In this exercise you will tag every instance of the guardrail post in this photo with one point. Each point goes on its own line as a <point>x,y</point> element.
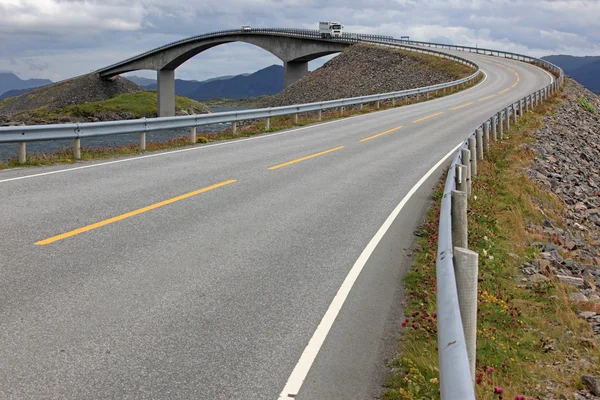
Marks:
<point>296,119</point>
<point>527,100</point>
<point>361,106</point>
<point>466,162</point>
<point>418,97</point>
<point>320,115</point>
<point>267,124</point>
<point>514,112</point>
<point>342,111</point>
<point>193,138</point>
<point>500,125</point>
<point>473,150</point>
<point>234,127</point>
<point>143,140</point>
<point>495,120</point>
<point>378,104</point>
<point>486,137</point>
<point>22,152</point>
<point>77,149</point>
<point>466,271</point>
<point>394,102</point>
<point>479,142</point>
<point>507,119</point>
<point>459,217</point>
<point>405,99</point>
<point>461,178</point>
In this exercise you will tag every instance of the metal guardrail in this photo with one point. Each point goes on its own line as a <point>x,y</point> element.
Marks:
<point>455,375</point>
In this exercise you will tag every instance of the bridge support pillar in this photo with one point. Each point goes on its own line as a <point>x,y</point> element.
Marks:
<point>166,92</point>
<point>292,71</point>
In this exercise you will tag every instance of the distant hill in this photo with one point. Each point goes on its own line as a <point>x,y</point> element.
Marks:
<point>585,70</point>
<point>10,81</point>
<point>263,82</point>
<point>138,80</point>
<point>151,83</point>
<point>13,93</point>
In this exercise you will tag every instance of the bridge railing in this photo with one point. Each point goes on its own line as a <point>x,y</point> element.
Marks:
<point>77,131</point>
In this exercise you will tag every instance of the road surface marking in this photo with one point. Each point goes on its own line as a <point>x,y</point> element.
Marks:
<point>300,371</point>
<point>130,214</point>
<point>464,105</point>
<point>381,134</point>
<point>305,158</point>
<point>485,98</point>
<point>515,84</point>
<point>237,141</point>
<point>504,91</point>
<point>427,117</point>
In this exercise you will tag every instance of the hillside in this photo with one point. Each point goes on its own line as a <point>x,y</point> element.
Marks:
<point>364,70</point>
<point>266,81</point>
<point>585,70</point>
<point>88,98</point>
<point>10,81</point>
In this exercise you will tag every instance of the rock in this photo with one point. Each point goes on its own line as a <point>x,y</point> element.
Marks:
<point>571,280</point>
<point>591,382</point>
<point>587,314</point>
<point>578,297</point>
<point>539,278</point>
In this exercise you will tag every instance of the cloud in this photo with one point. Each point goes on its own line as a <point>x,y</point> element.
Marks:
<point>71,37</point>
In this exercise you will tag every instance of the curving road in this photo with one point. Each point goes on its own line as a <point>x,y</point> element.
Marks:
<point>204,273</point>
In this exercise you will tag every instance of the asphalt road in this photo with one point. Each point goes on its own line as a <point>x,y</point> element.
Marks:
<point>216,294</point>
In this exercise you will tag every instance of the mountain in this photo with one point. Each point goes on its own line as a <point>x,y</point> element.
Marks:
<point>10,81</point>
<point>263,82</point>
<point>585,70</point>
<point>138,80</point>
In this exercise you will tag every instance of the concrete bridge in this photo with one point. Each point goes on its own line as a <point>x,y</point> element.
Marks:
<point>294,47</point>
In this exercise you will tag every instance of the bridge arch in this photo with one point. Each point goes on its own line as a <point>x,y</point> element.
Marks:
<point>295,50</point>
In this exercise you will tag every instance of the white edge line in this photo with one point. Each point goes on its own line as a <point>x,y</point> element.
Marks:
<point>230,142</point>
<point>300,371</point>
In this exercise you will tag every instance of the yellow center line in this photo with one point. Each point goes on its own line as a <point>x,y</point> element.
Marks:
<point>485,98</point>
<point>381,134</point>
<point>504,91</point>
<point>305,158</point>
<point>427,117</point>
<point>130,214</point>
<point>464,105</point>
<point>515,84</point>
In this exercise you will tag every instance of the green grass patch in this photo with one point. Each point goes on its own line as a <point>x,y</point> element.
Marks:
<point>5,101</point>
<point>586,105</point>
<point>530,340</point>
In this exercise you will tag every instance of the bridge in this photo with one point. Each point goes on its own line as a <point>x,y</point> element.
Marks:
<point>292,46</point>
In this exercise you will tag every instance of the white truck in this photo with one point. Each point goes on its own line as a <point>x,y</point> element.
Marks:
<point>329,29</point>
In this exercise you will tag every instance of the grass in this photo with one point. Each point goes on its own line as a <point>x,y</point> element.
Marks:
<point>5,101</point>
<point>139,104</point>
<point>583,102</point>
<point>250,128</point>
<point>530,340</point>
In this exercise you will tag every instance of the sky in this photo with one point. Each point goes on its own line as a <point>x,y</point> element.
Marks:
<point>58,39</point>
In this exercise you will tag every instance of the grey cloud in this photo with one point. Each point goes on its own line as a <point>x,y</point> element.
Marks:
<point>77,36</point>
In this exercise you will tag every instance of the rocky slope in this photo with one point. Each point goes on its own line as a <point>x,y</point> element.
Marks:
<point>363,70</point>
<point>567,163</point>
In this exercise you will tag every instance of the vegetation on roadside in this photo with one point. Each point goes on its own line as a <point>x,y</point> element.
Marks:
<point>531,344</point>
<point>245,129</point>
<point>585,103</point>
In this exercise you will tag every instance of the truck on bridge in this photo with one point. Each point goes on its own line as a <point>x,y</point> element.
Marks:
<point>329,29</point>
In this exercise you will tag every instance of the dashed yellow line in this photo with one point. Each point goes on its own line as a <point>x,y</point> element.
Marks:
<point>381,134</point>
<point>304,158</point>
<point>464,105</point>
<point>515,84</point>
<point>485,98</point>
<point>504,91</point>
<point>130,214</point>
<point>427,117</point>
